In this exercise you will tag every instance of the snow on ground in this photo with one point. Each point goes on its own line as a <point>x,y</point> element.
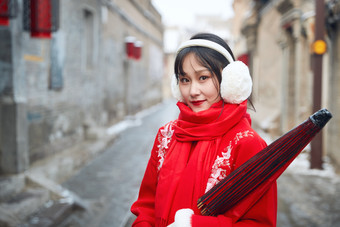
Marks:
<point>132,120</point>
<point>301,164</point>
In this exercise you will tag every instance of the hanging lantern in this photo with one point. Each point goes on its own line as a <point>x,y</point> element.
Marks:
<point>41,17</point>
<point>8,9</point>
<point>130,46</point>
<point>244,58</point>
<point>138,50</point>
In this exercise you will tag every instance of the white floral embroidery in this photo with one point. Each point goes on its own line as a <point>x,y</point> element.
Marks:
<point>221,166</point>
<point>241,135</point>
<point>164,140</point>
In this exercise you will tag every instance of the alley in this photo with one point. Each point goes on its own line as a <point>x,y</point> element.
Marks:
<point>69,70</point>
<point>109,184</point>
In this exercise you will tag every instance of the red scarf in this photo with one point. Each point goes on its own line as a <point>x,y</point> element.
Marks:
<point>187,166</point>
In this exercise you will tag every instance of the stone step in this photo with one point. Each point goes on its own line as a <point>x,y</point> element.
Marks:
<point>18,207</point>
<point>40,203</point>
<point>11,184</point>
<point>52,215</point>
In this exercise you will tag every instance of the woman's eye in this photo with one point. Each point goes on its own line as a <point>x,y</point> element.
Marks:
<point>204,77</point>
<point>184,80</point>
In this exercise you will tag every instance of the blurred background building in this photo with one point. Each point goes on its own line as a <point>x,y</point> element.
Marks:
<point>68,71</point>
<point>277,37</point>
<point>55,91</point>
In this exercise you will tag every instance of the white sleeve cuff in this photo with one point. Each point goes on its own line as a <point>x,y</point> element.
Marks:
<point>183,217</point>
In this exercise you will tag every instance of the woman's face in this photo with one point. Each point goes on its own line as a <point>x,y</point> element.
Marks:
<point>198,85</point>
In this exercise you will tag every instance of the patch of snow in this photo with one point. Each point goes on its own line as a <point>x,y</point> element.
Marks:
<point>132,120</point>
<point>123,125</point>
<point>301,165</point>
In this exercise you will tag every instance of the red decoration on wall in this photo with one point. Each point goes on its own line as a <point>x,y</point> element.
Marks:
<point>8,9</point>
<point>133,48</point>
<point>244,58</point>
<point>4,20</point>
<point>130,46</point>
<point>41,17</point>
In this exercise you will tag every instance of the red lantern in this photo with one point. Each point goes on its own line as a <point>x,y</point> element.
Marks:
<point>138,50</point>
<point>8,9</point>
<point>4,20</point>
<point>244,58</point>
<point>41,17</point>
<point>130,46</point>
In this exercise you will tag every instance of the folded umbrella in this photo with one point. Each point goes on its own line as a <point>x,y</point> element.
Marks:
<point>263,168</point>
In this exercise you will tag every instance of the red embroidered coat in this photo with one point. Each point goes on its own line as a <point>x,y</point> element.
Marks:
<point>234,148</point>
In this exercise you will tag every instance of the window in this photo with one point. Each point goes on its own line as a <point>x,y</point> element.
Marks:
<point>88,39</point>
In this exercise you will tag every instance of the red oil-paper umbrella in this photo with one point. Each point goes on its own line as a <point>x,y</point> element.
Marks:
<point>260,171</point>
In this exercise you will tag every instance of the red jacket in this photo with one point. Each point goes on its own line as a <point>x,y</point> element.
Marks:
<point>237,146</point>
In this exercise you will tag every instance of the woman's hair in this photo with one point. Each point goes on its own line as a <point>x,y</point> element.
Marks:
<point>209,58</point>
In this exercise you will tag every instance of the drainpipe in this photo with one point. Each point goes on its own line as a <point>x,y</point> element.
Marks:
<point>319,47</point>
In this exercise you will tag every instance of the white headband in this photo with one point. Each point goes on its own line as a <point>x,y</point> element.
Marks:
<point>208,44</point>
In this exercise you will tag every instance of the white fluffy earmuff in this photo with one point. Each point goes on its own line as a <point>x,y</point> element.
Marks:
<point>236,84</point>
<point>176,93</point>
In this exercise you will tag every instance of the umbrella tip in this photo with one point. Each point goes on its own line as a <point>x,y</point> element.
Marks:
<point>321,117</point>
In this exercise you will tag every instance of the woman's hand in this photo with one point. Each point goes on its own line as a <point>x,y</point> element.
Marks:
<point>182,218</point>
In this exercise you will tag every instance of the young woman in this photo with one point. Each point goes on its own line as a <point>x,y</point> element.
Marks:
<point>211,137</point>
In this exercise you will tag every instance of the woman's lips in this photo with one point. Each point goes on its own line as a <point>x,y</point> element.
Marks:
<point>197,103</point>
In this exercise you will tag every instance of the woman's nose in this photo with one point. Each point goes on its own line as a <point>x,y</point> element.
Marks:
<point>194,89</point>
